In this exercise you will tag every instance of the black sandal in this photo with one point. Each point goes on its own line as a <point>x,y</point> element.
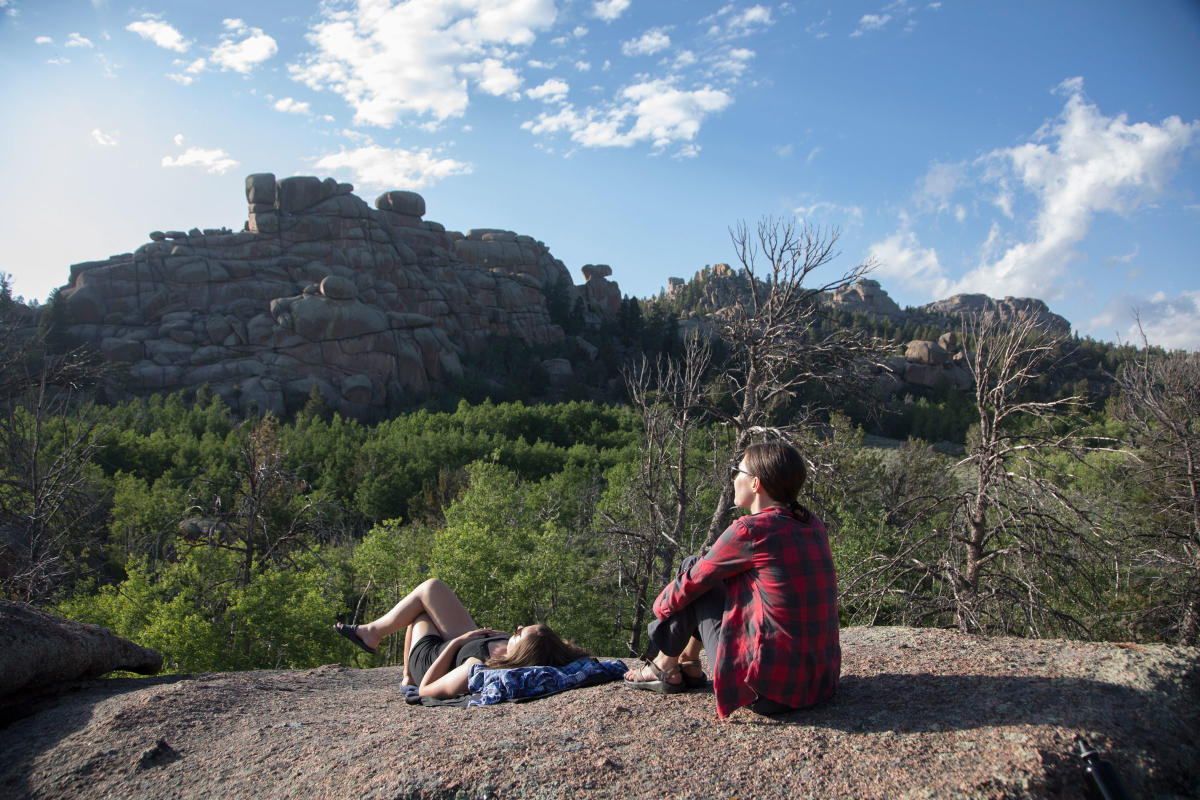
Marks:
<point>660,685</point>
<point>692,681</point>
<point>351,633</point>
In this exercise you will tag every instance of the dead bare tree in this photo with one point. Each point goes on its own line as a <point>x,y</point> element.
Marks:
<point>772,332</point>
<point>1159,402</point>
<point>1008,550</point>
<point>49,498</point>
<point>657,518</point>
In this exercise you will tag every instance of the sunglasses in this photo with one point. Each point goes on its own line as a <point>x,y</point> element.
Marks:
<point>733,473</point>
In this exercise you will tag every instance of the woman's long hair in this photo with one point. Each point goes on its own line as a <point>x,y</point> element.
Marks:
<point>781,471</point>
<point>541,647</point>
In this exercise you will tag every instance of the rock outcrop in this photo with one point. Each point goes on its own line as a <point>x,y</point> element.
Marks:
<point>920,714</point>
<point>368,305</point>
<point>1008,310</point>
<point>39,650</point>
<point>868,297</point>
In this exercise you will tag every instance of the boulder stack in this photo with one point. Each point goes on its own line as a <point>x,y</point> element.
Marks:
<point>368,305</point>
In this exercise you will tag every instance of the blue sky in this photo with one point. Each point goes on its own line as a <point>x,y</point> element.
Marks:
<point>1045,149</point>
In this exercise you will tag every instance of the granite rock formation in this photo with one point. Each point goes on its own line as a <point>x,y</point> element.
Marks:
<point>39,650</point>
<point>921,713</point>
<point>368,305</point>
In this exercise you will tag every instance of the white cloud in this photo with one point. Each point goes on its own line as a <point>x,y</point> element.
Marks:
<point>729,23</point>
<point>939,185</point>
<point>160,33</point>
<point>823,212</point>
<point>752,17</point>
<point>609,10</point>
<point>215,162</point>
<point>43,40</point>
<point>383,168</point>
<point>1170,322</point>
<point>733,61</point>
<point>650,42</point>
<point>784,150</point>
<point>901,257</point>
<point>180,78</point>
<point>871,22</point>
<point>289,106</point>
<point>492,76</point>
<point>1076,166</point>
<point>690,150</point>
<point>552,91</point>
<point>58,62</point>
<point>415,58</point>
<point>104,139</point>
<point>244,55</point>
<point>75,40</point>
<point>579,32</point>
<point>653,111</point>
<point>358,137</point>
<point>584,66</point>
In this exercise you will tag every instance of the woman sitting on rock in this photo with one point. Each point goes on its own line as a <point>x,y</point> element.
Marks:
<point>442,642</point>
<point>762,602</point>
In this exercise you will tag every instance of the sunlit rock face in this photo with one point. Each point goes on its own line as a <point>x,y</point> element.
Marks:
<point>369,305</point>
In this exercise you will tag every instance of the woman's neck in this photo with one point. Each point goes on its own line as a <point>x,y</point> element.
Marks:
<point>762,502</point>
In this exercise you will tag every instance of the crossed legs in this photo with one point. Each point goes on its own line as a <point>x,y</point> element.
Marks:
<point>432,607</point>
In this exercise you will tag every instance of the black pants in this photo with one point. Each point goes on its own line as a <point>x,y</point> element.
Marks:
<point>700,618</point>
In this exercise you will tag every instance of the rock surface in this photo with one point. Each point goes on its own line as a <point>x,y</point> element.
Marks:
<point>39,650</point>
<point>367,305</point>
<point>920,714</point>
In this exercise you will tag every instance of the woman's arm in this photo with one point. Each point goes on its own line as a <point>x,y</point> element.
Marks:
<point>452,684</point>
<point>732,553</point>
<point>442,665</point>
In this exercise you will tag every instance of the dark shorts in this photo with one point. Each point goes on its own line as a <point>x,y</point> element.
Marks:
<point>422,654</point>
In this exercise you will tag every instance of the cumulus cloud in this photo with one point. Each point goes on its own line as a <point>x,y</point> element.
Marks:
<point>160,33</point>
<point>104,139</point>
<point>1076,166</point>
<point>75,40</point>
<point>552,91</point>
<point>43,40</point>
<point>733,61</point>
<point>901,257</point>
<point>289,106</point>
<point>609,10</point>
<point>649,43</point>
<point>653,111</point>
<point>1047,193</point>
<point>1170,322</point>
<point>214,162</point>
<point>492,76</point>
<point>384,168</point>
<point>418,57</point>
<point>243,48</point>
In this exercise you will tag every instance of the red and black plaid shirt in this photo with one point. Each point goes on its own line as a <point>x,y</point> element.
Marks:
<point>779,632</point>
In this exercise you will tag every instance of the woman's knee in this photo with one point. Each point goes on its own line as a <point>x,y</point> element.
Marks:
<point>432,585</point>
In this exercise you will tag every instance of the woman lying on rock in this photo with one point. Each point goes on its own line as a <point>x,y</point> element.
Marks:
<point>442,642</point>
<point>762,602</point>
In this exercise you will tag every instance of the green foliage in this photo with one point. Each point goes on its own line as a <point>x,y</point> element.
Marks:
<point>199,619</point>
